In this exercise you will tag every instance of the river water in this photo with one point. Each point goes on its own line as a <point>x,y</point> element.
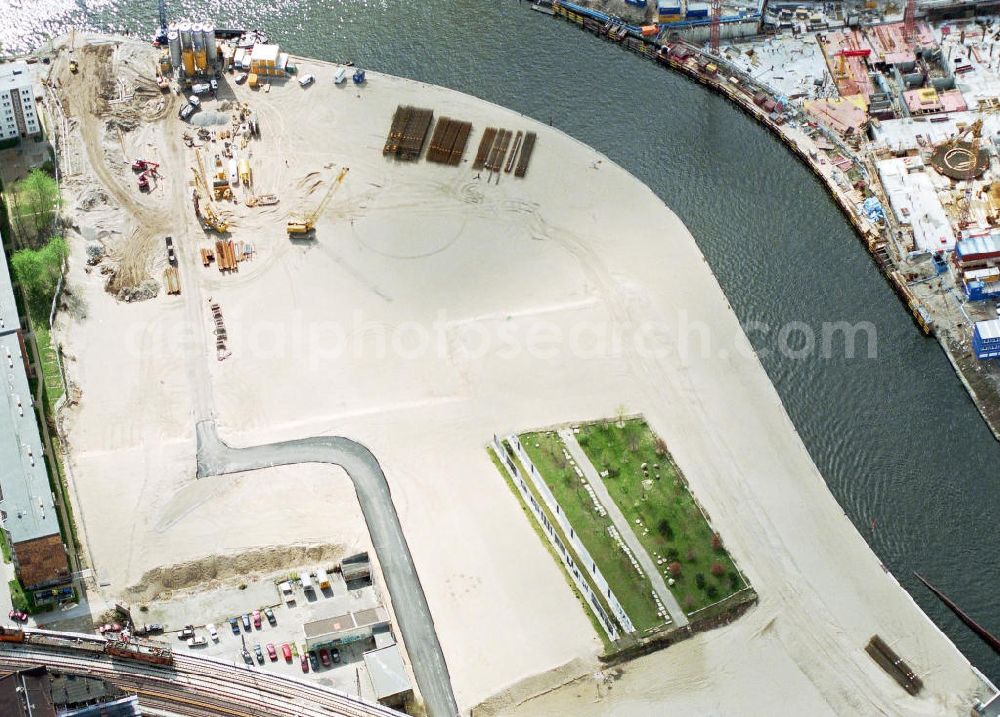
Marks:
<point>896,437</point>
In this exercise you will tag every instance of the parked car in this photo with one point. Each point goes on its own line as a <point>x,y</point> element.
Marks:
<point>271,652</point>
<point>246,622</point>
<point>324,657</point>
<point>305,663</point>
<point>17,615</point>
<point>186,111</point>
<point>256,619</point>
<point>235,625</point>
<point>247,658</point>
<point>306,80</point>
<point>286,652</point>
<point>260,653</point>
<point>187,633</point>
<point>197,641</point>
<point>269,614</point>
<point>313,660</point>
<point>154,629</point>
<point>212,632</point>
<point>214,84</point>
<point>241,78</point>
<point>335,654</point>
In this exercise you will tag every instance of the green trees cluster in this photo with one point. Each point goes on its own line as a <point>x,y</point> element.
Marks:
<point>34,202</point>
<point>38,271</point>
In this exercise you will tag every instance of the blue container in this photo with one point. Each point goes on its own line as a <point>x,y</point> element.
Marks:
<point>636,3</point>
<point>697,10</point>
<point>668,9</point>
<point>986,339</point>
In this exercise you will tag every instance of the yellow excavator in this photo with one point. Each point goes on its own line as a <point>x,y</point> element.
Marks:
<point>203,209</point>
<point>298,226</point>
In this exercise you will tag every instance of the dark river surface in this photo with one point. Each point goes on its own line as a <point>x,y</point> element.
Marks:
<point>896,437</point>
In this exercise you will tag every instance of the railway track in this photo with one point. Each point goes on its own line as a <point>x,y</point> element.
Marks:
<point>191,686</point>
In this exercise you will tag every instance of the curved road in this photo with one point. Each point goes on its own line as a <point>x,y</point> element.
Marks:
<point>408,600</point>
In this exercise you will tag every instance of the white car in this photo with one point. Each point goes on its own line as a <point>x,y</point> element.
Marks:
<point>307,80</point>
<point>212,632</point>
<point>195,100</point>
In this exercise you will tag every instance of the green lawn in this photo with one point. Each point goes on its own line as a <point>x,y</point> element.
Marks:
<point>672,526</point>
<point>50,367</point>
<point>633,591</point>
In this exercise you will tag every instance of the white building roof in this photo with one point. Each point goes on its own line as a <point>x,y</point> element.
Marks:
<point>25,495</point>
<point>386,672</point>
<point>15,74</point>
<point>264,53</point>
<point>915,201</point>
<point>989,329</point>
<point>9,320</point>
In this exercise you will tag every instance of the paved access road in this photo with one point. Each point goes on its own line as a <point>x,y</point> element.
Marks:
<point>408,600</point>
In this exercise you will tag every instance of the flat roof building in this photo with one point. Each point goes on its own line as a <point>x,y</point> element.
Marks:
<point>390,683</point>
<point>27,510</point>
<point>347,628</point>
<point>18,114</point>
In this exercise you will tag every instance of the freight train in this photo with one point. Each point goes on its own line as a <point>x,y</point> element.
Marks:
<point>128,649</point>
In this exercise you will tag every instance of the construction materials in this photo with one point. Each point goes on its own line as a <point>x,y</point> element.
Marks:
<point>526,149</point>
<point>408,132</point>
<point>207,257</point>
<point>172,280</point>
<point>203,207</point>
<point>485,145</point>
<point>261,200</point>
<point>221,336</point>
<point>893,664</point>
<point>305,224</point>
<point>448,141</point>
<point>493,150</point>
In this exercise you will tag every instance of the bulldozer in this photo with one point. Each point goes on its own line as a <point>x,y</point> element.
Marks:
<point>302,225</point>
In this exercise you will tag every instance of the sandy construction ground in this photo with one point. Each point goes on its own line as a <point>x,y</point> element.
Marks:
<point>434,309</point>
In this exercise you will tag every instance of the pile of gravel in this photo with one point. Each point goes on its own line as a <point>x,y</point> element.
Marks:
<point>208,119</point>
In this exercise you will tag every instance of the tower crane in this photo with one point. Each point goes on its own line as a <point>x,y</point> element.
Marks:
<point>297,226</point>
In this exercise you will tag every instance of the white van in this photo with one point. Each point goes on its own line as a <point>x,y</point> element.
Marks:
<point>286,593</point>
<point>340,75</point>
<point>234,175</point>
<point>307,80</point>
<point>306,581</point>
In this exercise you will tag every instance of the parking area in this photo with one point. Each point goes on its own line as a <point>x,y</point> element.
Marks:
<point>218,606</point>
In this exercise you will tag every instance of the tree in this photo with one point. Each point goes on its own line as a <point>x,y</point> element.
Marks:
<point>699,580</point>
<point>36,198</point>
<point>38,271</point>
<point>718,570</point>
<point>664,529</point>
<point>674,568</point>
<point>716,542</point>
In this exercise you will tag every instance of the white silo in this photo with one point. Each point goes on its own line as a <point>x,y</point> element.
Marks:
<point>198,37</point>
<point>210,46</point>
<point>174,43</point>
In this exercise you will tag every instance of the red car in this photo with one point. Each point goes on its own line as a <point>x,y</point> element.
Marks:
<point>271,652</point>
<point>286,652</point>
<point>18,616</point>
<point>256,619</point>
<point>324,657</point>
<point>305,664</point>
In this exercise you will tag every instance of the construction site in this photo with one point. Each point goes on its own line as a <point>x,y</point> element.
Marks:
<point>286,248</point>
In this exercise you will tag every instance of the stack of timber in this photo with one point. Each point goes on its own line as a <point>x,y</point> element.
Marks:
<point>448,141</point>
<point>526,149</point>
<point>493,148</point>
<point>893,664</point>
<point>172,281</point>
<point>225,255</point>
<point>408,132</point>
<point>485,145</point>
<point>207,257</point>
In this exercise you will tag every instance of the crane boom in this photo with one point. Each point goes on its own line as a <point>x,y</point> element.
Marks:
<point>306,224</point>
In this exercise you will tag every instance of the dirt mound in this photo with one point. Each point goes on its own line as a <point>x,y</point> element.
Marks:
<point>91,198</point>
<point>215,571</point>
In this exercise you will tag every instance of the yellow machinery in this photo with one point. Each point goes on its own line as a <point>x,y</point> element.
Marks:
<point>206,214</point>
<point>73,66</point>
<point>298,226</point>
